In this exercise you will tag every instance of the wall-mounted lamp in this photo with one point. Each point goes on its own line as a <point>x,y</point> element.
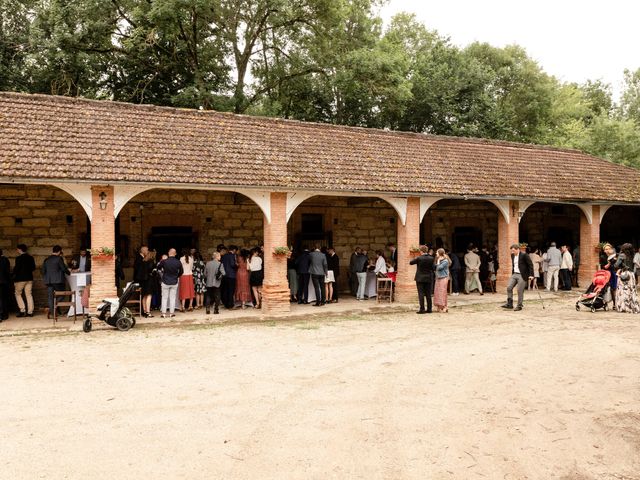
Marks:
<point>103,201</point>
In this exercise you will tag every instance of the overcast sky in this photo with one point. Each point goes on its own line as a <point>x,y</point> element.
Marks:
<point>574,40</point>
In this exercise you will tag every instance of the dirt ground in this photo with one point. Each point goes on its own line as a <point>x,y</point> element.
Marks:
<point>476,393</point>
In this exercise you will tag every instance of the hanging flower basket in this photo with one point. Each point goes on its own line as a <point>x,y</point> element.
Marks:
<point>282,252</point>
<point>102,253</point>
<point>415,251</point>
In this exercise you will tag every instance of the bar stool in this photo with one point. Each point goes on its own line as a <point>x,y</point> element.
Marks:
<point>70,303</point>
<point>384,289</point>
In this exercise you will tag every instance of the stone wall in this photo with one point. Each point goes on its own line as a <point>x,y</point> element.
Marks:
<point>542,222</point>
<point>369,223</point>
<point>214,217</point>
<point>441,221</point>
<point>37,217</point>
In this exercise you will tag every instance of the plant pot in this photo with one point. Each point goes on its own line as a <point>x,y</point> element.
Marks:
<point>415,254</point>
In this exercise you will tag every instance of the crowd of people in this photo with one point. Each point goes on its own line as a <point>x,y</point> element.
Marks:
<point>232,277</point>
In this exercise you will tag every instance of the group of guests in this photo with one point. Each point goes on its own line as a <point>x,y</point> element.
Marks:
<point>432,274</point>
<point>557,268</point>
<point>54,271</point>
<point>231,277</point>
<point>625,269</point>
<point>320,268</point>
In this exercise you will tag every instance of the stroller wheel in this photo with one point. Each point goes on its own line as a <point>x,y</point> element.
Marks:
<point>86,325</point>
<point>593,310</point>
<point>133,322</point>
<point>123,324</point>
<point>577,306</point>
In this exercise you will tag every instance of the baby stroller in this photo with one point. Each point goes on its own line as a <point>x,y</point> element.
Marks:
<point>113,311</point>
<point>594,297</point>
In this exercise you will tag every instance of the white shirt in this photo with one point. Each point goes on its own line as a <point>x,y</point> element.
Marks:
<point>381,265</point>
<point>255,264</point>
<point>516,267</point>
<point>567,261</point>
<point>187,268</point>
<point>83,264</point>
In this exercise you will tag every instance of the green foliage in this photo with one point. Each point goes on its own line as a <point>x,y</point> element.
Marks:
<point>316,60</point>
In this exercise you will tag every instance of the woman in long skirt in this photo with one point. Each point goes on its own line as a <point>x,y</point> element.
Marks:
<point>626,295</point>
<point>243,289</point>
<point>442,281</point>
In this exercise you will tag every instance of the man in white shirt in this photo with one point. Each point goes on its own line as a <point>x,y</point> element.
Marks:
<point>566,265</point>
<point>555,259</point>
<point>521,274</point>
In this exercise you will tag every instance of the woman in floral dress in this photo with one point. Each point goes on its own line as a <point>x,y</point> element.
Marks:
<point>198,279</point>
<point>626,295</point>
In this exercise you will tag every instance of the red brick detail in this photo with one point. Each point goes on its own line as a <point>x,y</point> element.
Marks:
<point>589,240</point>
<point>408,236</point>
<point>508,234</point>
<point>275,289</point>
<point>103,234</point>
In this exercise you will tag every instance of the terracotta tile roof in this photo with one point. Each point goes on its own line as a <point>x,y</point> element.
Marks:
<point>59,138</point>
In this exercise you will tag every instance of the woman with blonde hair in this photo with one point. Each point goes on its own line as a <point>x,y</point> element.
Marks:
<point>442,263</point>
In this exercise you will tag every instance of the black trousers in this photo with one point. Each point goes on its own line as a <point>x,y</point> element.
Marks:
<point>455,281</point>
<point>565,276</point>
<point>59,287</point>
<point>318,286</point>
<point>228,291</point>
<point>424,290</point>
<point>4,301</point>
<point>212,295</point>
<point>303,287</point>
<point>335,290</point>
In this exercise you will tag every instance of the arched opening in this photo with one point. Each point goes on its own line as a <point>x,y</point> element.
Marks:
<point>454,224</point>
<point>40,216</point>
<point>543,223</point>
<point>172,218</point>
<point>344,223</point>
<point>621,224</point>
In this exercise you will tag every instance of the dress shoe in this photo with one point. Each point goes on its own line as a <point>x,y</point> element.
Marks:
<point>507,306</point>
<point>208,311</point>
<point>21,314</point>
<point>420,312</point>
<point>216,312</point>
<point>517,309</point>
<point>30,314</point>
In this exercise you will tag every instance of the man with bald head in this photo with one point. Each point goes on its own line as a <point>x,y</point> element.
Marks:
<point>171,269</point>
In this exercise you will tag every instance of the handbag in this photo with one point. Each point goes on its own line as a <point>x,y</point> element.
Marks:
<point>219,273</point>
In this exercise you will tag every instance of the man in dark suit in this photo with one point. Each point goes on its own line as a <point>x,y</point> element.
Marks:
<point>521,274</point>
<point>318,269</point>
<point>302,263</point>
<point>424,278</point>
<point>53,274</point>
<point>5,283</point>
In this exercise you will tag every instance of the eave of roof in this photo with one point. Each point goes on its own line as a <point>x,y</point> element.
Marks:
<point>70,139</point>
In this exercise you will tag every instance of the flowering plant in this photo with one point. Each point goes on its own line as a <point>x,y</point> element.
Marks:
<point>102,252</point>
<point>415,251</point>
<point>282,251</point>
<point>600,247</point>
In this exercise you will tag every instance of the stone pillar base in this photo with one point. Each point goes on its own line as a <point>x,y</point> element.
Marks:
<point>406,293</point>
<point>275,300</point>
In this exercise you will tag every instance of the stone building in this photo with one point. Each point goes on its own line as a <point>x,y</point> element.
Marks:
<point>78,173</point>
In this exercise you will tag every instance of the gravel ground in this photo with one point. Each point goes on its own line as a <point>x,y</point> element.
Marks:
<point>476,393</point>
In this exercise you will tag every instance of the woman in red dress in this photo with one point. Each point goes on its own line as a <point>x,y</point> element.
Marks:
<point>243,289</point>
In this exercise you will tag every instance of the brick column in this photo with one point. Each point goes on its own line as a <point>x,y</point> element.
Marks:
<point>408,236</point>
<point>275,289</point>
<point>103,234</point>
<point>589,240</point>
<point>508,234</point>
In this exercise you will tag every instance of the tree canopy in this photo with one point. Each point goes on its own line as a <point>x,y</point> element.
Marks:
<point>316,60</point>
